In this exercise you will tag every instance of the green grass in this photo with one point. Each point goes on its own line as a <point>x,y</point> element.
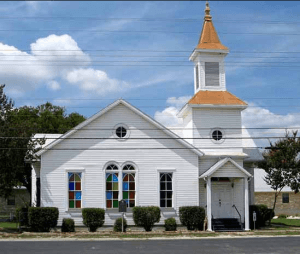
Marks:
<point>287,222</point>
<point>7,225</point>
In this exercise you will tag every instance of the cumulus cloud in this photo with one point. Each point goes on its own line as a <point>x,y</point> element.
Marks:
<point>95,80</point>
<point>54,85</point>
<point>50,57</point>
<point>168,116</point>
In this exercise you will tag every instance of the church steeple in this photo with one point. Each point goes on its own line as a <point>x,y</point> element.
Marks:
<point>208,57</point>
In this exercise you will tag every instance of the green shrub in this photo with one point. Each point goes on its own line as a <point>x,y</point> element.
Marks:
<point>282,216</point>
<point>192,217</point>
<point>22,216</point>
<point>170,224</point>
<point>41,219</point>
<point>146,216</point>
<point>263,214</point>
<point>118,225</point>
<point>68,225</point>
<point>93,218</point>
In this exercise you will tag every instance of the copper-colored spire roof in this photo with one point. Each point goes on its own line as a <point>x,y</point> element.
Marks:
<point>209,38</point>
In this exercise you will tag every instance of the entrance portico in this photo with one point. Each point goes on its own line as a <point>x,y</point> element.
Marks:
<point>227,192</point>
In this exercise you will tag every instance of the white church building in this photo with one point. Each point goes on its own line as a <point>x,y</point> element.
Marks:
<point>122,153</point>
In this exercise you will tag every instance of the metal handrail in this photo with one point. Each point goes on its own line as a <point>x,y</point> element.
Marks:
<point>239,215</point>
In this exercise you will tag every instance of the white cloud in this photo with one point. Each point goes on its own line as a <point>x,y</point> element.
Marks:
<point>54,85</point>
<point>178,102</point>
<point>95,80</point>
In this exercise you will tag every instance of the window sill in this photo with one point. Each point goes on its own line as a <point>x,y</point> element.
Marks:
<point>168,212</point>
<point>75,212</point>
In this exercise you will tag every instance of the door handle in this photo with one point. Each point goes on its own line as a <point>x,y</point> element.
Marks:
<point>220,202</point>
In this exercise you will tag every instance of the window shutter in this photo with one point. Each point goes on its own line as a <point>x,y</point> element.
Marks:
<point>197,76</point>
<point>211,74</point>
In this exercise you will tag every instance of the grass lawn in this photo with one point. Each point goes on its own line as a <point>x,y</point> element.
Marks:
<point>287,222</point>
<point>7,225</point>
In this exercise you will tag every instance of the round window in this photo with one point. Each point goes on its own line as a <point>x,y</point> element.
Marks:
<point>121,132</point>
<point>217,135</point>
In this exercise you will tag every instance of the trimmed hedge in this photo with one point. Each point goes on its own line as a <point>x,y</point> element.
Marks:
<point>146,216</point>
<point>118,225</point>
<point>282,216</point>
<point>93,218</point>
<point>170,224</point>
<point>22,216</point>
<point>192,217</point>
<point>41,219</point>
<point>263,214</point>
<point>68,225</point>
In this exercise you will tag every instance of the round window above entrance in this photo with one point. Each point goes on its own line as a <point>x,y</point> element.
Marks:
<point>217,135</point>
<point>121,131</point>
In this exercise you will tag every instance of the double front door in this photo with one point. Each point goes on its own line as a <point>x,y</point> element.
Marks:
<point>222,200</point>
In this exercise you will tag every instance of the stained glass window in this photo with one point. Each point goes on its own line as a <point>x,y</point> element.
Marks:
<point>166,192</point>
<point>74,190</point>
<point>112,190</point>
<point>112,167</point>
<point>129,189</point>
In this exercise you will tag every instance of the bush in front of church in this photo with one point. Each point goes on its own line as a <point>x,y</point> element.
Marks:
<point>118,225</point>
<point>93,218</point>
<point>41,219</point>
<point>68,225</point>
<point>170,224</point>
<point>146,216</point>
<point>192,217</point>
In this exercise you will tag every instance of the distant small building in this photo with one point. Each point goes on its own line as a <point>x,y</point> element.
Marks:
<point>19,197</point>
<point>287,202</point>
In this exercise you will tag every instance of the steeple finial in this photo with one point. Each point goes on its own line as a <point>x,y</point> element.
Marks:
<point>207,16</point>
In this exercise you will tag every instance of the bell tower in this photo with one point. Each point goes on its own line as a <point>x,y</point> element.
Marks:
<point>208,57</point>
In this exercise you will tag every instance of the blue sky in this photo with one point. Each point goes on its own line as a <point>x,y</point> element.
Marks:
<point>95,41</point>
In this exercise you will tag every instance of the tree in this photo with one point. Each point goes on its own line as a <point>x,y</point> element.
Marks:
<point>282,165</point>
<point>18,125</point>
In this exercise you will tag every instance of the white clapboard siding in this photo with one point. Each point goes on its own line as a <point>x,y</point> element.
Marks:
<point>56,163</point>
<point>202,191</point>
<point>228,170</point>
<point>228,120</point>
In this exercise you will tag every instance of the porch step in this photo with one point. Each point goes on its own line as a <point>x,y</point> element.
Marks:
<point>225,224</point>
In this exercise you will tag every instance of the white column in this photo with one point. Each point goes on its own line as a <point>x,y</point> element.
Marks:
<point>246,204</point>
<point>208,203</point>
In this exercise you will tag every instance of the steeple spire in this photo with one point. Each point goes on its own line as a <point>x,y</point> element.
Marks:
<point>209,38</point>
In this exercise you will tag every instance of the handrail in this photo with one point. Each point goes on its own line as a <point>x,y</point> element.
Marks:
<point>239,215</point>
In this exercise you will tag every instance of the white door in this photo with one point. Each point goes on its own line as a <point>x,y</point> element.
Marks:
<point>222,200</point>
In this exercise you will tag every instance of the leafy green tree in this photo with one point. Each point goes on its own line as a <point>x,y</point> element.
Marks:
<point>282,165</point>
<point>18,126</point>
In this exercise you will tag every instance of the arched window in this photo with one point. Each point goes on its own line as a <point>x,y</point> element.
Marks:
<point>112,187</point>
<point>129,185</point>
<point>74,190</point>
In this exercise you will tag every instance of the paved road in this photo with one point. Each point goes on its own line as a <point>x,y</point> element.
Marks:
<point>275,245</point>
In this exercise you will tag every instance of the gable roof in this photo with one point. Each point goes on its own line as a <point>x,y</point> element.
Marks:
<point>216,98</point>
<point>222,162</point>
<point>134,109</point>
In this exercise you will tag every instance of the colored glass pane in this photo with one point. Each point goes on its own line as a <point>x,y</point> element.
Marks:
<point>115,186</point>
<point>125,178</point>
<point>108,186</point>
<point>71,178</point>
<point>115,194</point>
<point>69,175</point>
<point>131,203</point>
<point>108,195</point>
<point>78,195</point>
<point>131,178</point>
<point>71,204</point>
<point>131,194</point>
<point>108,204</point>
<point>77,178</point>
<point>79,174</point>
<point>109,178</point>
<point>115,204</point>
<point>115,178</point>
<point>78,204</point>
<point>125,194</point>
<point>125,186</point>
<point>78,186</point>
<point>71,186</point>
<point>132,186</point>
<point>71,195</point>
<point>127,202</point>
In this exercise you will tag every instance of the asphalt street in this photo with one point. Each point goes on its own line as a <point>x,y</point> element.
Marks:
<point>274,245</point>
